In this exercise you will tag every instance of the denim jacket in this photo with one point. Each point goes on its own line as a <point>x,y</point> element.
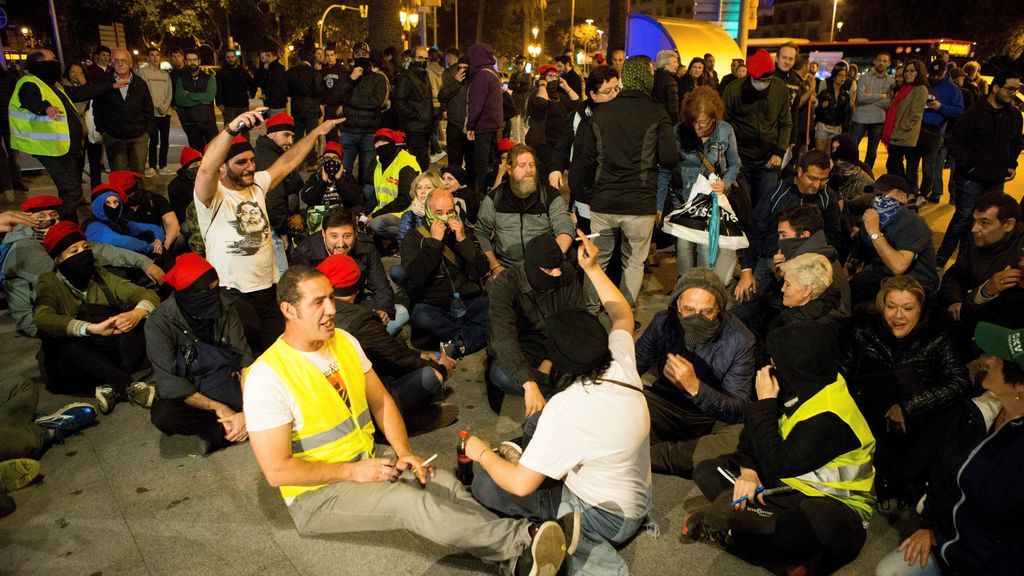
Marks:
<point>722,153</point>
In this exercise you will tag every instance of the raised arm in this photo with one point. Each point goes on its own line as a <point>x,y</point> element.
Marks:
<point>217,154</point>
<point>296,155</point>
<point>614,302</point>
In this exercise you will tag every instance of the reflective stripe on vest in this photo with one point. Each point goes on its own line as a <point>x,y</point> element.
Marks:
<point>849,477</point>
<point>385,183</point>
<point>38,134</point>
<point>331,432</point>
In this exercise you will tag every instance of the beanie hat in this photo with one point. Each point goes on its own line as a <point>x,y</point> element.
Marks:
<point>889,182</point>
<point>361,46</point>
<point>187,269</point>
<point>239,145</point>
<point>389,134</point>
<point>547,68</point>
<point>343,273</point>
<point>189,155</point>
<point>704,279</point>
<point>542,251</point>
<point>107,187</point>
<point>761,64</point>
<point>280,122</point>
<point>577,342</point>
<point>123,180</point>
<point>637,75</point>
<point>39,203</point>
<point>333,147</point>
<point>505,144</point>
<point>457,172</point>
<point>60,236</point>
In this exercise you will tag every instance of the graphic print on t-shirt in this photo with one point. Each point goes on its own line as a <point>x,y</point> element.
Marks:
<point>251,224</point>
<point>333,375</point>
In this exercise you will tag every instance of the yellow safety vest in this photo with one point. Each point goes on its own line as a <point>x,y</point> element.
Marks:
<point>849,477</point>
<point>385,182</point>
<point>35,134</point>
<point>330,431</point>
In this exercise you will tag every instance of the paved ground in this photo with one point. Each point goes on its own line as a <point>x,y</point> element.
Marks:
<point>120,498</point>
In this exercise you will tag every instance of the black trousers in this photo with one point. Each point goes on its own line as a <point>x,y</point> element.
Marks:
<point>66,172</point>
<point>459,149</point>
<point>484,149</point>
<point>199,134</point>
<point>676,424</point>
<point>176,417</point>
<point>418,144</point>
<point>78,365</point>
<point>261,317</point>
<point>94,153</point>
<point>159,142</point>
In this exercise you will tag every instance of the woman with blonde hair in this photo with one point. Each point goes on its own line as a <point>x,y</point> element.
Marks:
<point>808,294</point>
<point>418,189</point>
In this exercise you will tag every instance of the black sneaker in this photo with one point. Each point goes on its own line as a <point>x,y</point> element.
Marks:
<point>454,348</point>
<point>696,526</point>
<point>570,524</point>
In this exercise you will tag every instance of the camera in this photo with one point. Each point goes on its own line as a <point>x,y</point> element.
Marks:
<point>331,166</point>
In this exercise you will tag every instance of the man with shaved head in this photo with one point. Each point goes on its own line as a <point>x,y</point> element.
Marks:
<point>124,117</point>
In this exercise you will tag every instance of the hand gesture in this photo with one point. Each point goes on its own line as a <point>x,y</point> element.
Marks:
<point>1003,280</point>
<point>53,113</point>
<point>871,222</point>
<point>747,485</point>
<point>457,228</point>
<point>535,401</point>
<point>766,384</point>
<point>423,473</point>
<point>155,273</point>
<point>118,84</point>
<point>437,229</point>
<point>917,547</point>
<point>679,371</point>
<point>461,74</point>
<point>328,125</point>
<point>357,72</point>
<point>374,470</point>
<point>746,287</point>
<point>11,218</point>
<point>247,120</point>
<point>555,180</point>
<point>588,253</point>
<point>127,321</point>
<point>475,448</point>
<point>105,328</point>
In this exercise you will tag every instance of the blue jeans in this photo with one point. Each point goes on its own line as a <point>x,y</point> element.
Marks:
<point>415,389</point>
<point>874,134</point>
<point>500,378</point>
<point>386,226</point>
<point>358,145</point>
<point>762,180</point>
<point>893,564</point>
<point>664,178</point>
<point>438,322</point>
<point>401,319</point>
<point>967,193</point>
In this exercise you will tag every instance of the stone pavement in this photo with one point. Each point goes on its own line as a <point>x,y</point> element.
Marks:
<point>120,498</point>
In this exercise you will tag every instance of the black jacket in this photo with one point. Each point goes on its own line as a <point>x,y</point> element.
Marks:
<point>128,117</point>
<point>413,101</point>
<point>362,100</point>
<point>433,277</point>
<point>345,191</point>
<point>764,237</point>
<point>920,372</point>
<point>271,80</point>
<point>279,204</point>
<point>515,332</point>
<point>452,97</point>
<point>549,117</point>
<point>234,86</point>
<point>391,357</point>
<point>181,192</point>
<point>826,310</point>
<point>376,292</point>
<point>986,142</point>
<point>305,88</point>
<point>973,267</point>
<point>633,137</point>
<point>666,93</point>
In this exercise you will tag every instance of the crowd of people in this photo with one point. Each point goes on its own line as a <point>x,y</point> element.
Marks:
<point>818,360</point>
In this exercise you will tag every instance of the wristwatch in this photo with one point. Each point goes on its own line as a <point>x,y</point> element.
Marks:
<point>231,131</point>
<point>876,236</point>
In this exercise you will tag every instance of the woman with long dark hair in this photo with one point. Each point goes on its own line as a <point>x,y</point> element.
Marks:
<point>903,122</point>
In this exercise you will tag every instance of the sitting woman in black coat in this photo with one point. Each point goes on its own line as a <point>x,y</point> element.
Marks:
<point>907,379</point>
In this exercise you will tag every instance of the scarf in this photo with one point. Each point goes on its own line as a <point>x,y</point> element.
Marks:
<point>890,113</point>
<point>707,133</point>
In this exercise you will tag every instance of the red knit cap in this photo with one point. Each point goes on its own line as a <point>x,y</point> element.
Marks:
<point>123,180</point>
<point>334,148</point>
<point>393,135</point>
<point>547,68</point>
<point>239,145</point>
<point>343,272</point>
<point>504,144</point>
<point>60,236</point>
<point>38,203</point>
<point>280,122</point>
<point>189,155</point>
<point>101,188</point>
<point>761,64</point>
<point>187,269</point>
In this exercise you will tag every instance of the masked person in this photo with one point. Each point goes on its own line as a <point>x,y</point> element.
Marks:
<point>331,185</point>
<point>196,344</point>
<point>703,360</point>
<point>26,260</point>
<point>146,207</point>
<point>179,190</point>
<point>45,123</point>
<point>806,441</point>
<point>111,225</point>
<point>393,174</point>
<point>89,320</point>
<point>520,300</point>
<point>444,268</point>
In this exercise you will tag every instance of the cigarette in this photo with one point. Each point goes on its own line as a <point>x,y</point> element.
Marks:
<point>592,236</point>
<point>428,461</point>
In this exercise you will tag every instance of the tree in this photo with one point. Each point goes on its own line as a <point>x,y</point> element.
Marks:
<point>385,28</point>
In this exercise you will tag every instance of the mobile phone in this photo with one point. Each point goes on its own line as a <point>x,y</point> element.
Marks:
<point>504,85</point>
<point>265,113</point>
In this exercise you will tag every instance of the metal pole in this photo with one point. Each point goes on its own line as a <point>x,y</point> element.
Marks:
<point>457,24</point>
<point>423,28</point>
<point>832,30</point>
<point>435,25</point>
<point>572,24</point>
<point>56,34</point>
<point>741,35</point>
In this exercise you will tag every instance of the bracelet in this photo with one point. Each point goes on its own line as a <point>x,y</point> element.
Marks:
<point>227,128</point>
<point>481,455</point>
<point>494,267</point>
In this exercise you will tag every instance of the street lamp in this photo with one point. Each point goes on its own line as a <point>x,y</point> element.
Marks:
<point>839,27</point>
<point>363,13</point>
<point>25,31</point>
<point>535,31</point>
<point>832,30</point>
<point>171,28</point>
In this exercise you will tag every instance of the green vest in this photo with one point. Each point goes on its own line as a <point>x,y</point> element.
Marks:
<point>34,134</point>
<point>385,182</point>
<point>849,477</point>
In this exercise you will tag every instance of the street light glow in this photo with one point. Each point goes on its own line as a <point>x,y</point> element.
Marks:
<point>535,31</point>
<point>171,28</point>
<point>589,21</point>
<point>24,30</point>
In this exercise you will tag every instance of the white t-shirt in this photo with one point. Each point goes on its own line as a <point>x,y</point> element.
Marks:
<point>597,437</point>
<point>236,230</point>
<point>268,403</point>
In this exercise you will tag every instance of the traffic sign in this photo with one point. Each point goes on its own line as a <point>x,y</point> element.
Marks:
<point>3,18</point>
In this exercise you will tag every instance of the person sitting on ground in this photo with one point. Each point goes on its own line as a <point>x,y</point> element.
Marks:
<point>704,361</point>
<point>110,224</point>
<point>586,457</point>
<point>339,235</point>
<point>88,320</point>
<point>444,268</point>
<point>148,208</point>
<point>179,190</point>
<point>498,172</point>
<point>520,300</point>
<point>456,181</point>
<point>519,210</point>
<point>421,185</point>
<point>907,378</point>
<point>316,378</point>
<point>197,347</point>
<point>330,186</point>
<point>986,283</point>
<point>26,260</point>
<point>892,240</point>
<point>805,440</point>
<point>849,177</point>
<point>393,172</point>
<point>414,380</point>
<point>971,516</point>
<point>808,294</point>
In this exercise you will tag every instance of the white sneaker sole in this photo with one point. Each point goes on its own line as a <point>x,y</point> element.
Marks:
<point>547,549</point>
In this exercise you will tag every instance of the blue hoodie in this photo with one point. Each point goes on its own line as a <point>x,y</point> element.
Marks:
<point>101,229</point>
<point>952,102</point>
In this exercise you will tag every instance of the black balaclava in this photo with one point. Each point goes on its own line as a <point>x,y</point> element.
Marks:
<point>806,357</point>
<point>78,269</point>
<point>543,252</point>
<point>46,70</point>
<point>201,305</point>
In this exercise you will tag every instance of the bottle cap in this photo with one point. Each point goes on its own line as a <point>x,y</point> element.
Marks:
<point>464,434</point>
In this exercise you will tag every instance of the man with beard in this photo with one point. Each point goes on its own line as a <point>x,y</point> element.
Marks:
<point>227,178</point>
<point>445,267</point>
<point>27,260</point>
<point>338,236</point>
<point>519,210</point>
<point>413,102</point>
<point>194,93</point>
<point>282,199</point>
<point>197,347</point>
<point>799,92</point>
<point>234,86</point>
<point>704,361</point>
<point>44,122</point>
<point>520,301</point>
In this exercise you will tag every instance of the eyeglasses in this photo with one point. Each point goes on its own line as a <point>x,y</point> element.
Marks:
<point>1011,89</point>
<point>709,313</point>
<point>610,91</point>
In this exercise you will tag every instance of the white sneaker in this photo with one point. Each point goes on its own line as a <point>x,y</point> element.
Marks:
<point>435,158</point>
<point>168,171</point>
<point>150,172</point>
